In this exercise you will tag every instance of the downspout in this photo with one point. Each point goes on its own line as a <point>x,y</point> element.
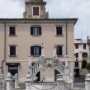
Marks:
<point>66,40</point>
<point>4,47</point>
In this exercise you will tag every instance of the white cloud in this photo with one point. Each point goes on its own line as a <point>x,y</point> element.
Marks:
<point>10,9</point>
<point>57,9</point>
<point>72,9</point>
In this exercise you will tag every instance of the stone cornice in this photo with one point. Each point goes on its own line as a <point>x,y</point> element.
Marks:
<point>40,20</point>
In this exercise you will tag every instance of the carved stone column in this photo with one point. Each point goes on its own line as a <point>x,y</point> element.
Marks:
<point>8,82</point>
<point>28,82</point>
<point>16,82</point>
<point>60,82</point>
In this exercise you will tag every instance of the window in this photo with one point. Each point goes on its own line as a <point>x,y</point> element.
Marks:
<point>84,46</point>
<point>76,55</point>
<point>35,31</point>
<point>12,30</point>
<point>76,46</point>
<point>58,30</point>
<point>35,10</point>
<point>36,50</point>
<point>84,55</point>
<point>76,64</point>
<point>59,50</point>
<point>12,51</point>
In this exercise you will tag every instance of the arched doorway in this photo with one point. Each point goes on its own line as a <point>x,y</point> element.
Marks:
<point>55,73</point>
<point>84,63</point>
<point>38,75</point>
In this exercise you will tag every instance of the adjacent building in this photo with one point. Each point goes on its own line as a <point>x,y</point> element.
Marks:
<point>81,52</point>
<point>20,37</point>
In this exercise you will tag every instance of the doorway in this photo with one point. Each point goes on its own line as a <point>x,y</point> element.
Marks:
<point>13,69</point>
<point>55,74</point>
<point>38,75</point>
<point>84,63</point>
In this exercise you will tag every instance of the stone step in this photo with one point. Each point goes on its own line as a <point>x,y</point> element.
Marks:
<point>78,89</point>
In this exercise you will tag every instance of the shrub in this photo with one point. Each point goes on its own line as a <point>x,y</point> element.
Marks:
<point>88,66</point>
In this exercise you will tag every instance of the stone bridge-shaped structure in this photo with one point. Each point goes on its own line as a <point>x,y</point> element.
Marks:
<point>44,63</point>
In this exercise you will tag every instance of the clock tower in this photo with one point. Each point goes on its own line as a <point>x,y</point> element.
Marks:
<point>35,9</point>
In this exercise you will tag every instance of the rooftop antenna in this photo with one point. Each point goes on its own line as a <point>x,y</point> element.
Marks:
<point>82,34</point>
<point>87,32</point>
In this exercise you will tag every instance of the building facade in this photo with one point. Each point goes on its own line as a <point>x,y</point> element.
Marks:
<point>23,36</point>
<point>81,53</point>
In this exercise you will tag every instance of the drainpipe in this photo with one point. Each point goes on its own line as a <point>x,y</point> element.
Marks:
<point>4,47</point>
<point>66,40</point>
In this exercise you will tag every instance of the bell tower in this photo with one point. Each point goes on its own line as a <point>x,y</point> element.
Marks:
<point>35,9</point>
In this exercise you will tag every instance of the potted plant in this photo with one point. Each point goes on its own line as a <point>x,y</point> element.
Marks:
<point>88,67</point>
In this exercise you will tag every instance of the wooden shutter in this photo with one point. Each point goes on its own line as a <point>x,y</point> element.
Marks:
<point>31,30</point>
<point>39,50</point>
<point>32,50</point>
<point>35,10</point>
<point>40,31</point>
<point>60,50</point>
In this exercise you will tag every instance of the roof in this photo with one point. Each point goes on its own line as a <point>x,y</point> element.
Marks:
<point>80,41</point>
<point>40,19</point>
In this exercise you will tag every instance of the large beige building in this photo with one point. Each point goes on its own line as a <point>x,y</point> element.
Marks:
<point>20,37</point>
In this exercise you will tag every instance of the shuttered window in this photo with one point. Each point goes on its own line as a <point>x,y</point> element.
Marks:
<point>36,50</point>
<point>13,51</point>
<point>35,10</point>
<point>84,46</point>
<point>58,30</point>
<point>84,55</point>
<point>12,31</point>
<point>59,50</point>
<point>76,55</point>
<point>76,46</point>
<point>35,31</point>
<point>76,64</point>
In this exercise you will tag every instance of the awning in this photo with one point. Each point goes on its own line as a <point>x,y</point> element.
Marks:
<point>12,63</point>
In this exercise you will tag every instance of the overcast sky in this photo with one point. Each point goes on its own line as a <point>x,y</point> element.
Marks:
<point>57,9</point>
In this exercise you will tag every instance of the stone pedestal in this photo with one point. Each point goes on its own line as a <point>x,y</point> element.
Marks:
<point>87,82</point>
<point>16,82</point>
<point>67,75</point>
<point>28,82</point>
<point>9,82</point>
<point>2,82</point>
<point>60,82</point>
